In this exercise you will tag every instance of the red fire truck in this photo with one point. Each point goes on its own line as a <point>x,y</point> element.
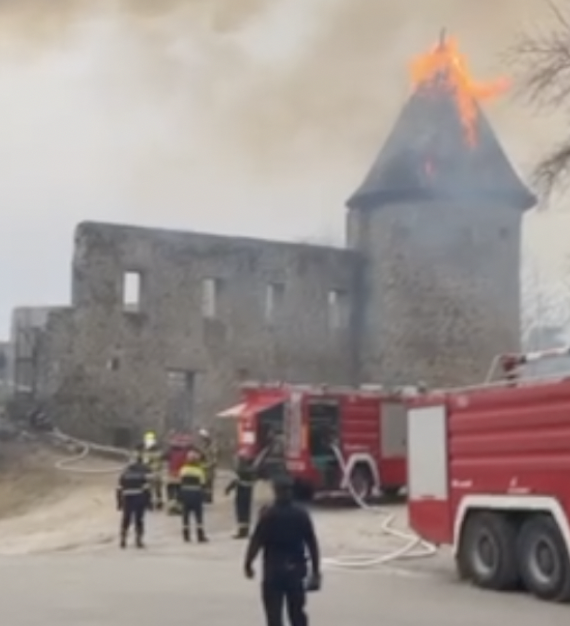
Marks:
<point>178,444</point>
<point>329,438</point>
<point>489,474</point>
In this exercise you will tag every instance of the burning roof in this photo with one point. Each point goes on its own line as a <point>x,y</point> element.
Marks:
<point>442,147</point>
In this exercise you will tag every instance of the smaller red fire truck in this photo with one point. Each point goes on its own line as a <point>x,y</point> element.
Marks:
<point>489,474</point>
<point>330,438</point>
<point>177,447</point>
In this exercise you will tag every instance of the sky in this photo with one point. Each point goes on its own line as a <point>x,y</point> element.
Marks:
<point>256,117</point>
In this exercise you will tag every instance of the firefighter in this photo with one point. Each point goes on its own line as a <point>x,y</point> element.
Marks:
<point>153,458</point>
<point>192,489</point>
<point>242,485</point>
<point>209,453</point>
<point>177,450</point>
<point>133,499</point>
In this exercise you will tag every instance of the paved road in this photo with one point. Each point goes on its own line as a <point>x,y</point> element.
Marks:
<point>59,565</point>
<point>160,587</point>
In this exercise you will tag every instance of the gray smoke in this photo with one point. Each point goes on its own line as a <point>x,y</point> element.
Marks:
<point>248,116</point>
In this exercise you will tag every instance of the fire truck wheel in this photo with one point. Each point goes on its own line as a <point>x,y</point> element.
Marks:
<point>487,554</point>
<point>362,481</point>
<point>543,559</point>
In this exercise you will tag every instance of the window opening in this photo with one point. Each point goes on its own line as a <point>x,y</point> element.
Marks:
<point>210,288</point>
<point>132,292</point>
<point>336,309</point>
<point>274,294</point>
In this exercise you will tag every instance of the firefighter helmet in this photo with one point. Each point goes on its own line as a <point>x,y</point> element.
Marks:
<point>149,439</point>
<point>192,456</point>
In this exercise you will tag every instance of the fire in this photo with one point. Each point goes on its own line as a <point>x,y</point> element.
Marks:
<point>444,67</point>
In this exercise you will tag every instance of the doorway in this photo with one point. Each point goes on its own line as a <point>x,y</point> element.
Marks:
<point>180,401</point>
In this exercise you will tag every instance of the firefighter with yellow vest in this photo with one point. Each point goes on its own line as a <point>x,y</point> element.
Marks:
<point>153,457</point>
<point>209,459</point>
<point>192,490</point>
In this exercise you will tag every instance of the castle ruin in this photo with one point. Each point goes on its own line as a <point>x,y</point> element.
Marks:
<point>164,325</point>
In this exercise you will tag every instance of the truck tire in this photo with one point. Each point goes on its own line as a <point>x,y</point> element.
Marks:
<point>362,482</point>
<point>487,553</point>
<point>543,559</point>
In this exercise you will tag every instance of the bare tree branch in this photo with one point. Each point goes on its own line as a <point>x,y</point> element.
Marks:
<point>553,170</point>
<point>541,61</point>
<point>541,64</point>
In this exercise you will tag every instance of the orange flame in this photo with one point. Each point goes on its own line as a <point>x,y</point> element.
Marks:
<point>444,67</point>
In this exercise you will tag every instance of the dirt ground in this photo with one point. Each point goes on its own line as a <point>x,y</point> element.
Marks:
<point>43,508</point>
<point>59,563</point>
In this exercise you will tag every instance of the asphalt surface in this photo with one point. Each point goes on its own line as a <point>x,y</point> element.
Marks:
<point>203,584</point>
<point>60,565</point>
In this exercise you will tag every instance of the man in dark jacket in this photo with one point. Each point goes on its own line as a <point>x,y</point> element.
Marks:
<point>133,499</point>
<point>285,533</point>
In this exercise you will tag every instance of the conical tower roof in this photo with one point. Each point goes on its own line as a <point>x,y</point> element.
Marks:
<point>427,157</point>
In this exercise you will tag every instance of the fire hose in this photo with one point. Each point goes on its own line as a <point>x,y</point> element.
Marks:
<point>413,548</point>
<point>69,464</point>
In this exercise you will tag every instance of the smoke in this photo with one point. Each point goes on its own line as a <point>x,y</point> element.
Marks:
<point>257,117</point>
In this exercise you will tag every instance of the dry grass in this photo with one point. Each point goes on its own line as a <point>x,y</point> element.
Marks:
<point>28,477</point>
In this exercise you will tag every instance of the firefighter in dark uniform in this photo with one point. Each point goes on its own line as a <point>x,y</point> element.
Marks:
<point>133,499</point>
<point>242,486</point>
<point>285,533</point>
<point>192,484</point>
<point>209,458</point>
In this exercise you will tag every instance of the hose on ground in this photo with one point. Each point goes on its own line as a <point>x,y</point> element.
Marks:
<point>413,547</point>
<point>69,464</point>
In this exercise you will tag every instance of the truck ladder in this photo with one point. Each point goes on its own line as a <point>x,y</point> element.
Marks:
<point>510,363</point>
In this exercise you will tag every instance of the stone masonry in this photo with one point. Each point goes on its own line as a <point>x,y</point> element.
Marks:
<point>278,311</point>
<point>426,289</point>
<point>438,220</point>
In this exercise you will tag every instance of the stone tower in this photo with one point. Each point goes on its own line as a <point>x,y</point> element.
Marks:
<point>437,221</point>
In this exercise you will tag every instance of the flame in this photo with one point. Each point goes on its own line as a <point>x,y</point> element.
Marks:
<point>444,67</point>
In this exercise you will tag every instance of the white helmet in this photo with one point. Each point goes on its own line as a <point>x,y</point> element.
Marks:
<point>204,433</point>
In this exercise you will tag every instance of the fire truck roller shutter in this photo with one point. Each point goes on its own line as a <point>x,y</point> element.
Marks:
<point>249,409</point>
<point>429,506</point>
<point>233,412</point>
<point>427,453</point>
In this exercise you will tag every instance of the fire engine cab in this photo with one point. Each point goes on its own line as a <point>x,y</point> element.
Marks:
<point>332,439</point>
<point>489,474</point>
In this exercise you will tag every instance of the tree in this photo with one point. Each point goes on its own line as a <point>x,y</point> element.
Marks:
<point>541,63</point>
<point>545,306</point>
